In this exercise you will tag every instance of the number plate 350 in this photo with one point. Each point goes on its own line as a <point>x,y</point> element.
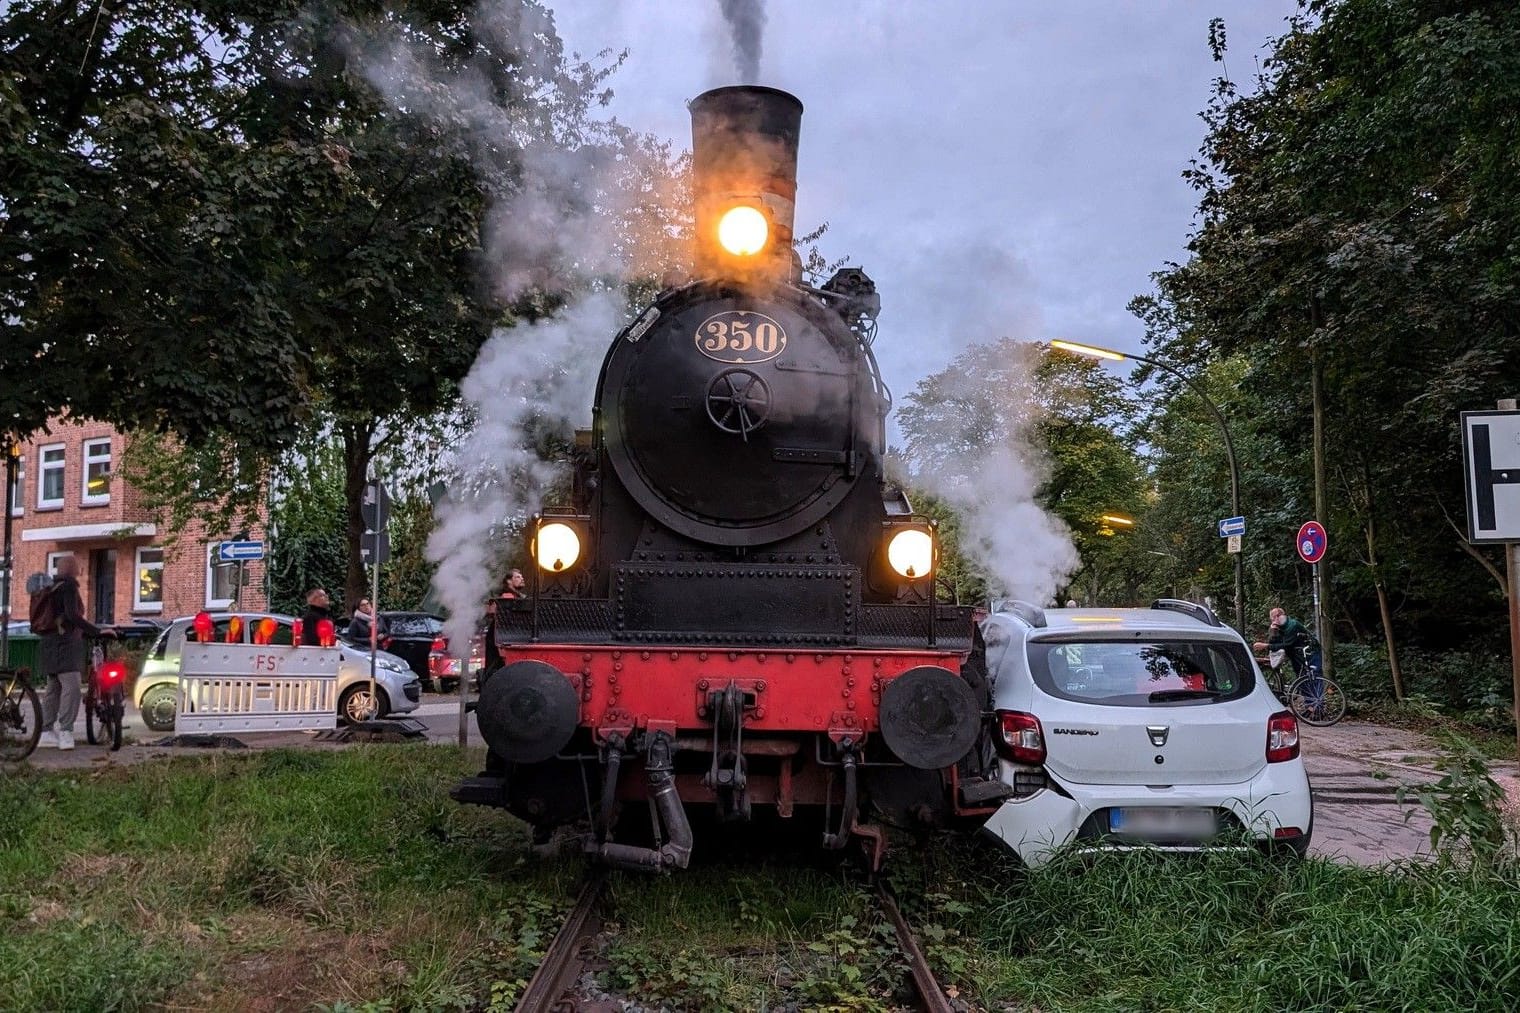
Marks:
<point>740,336</point>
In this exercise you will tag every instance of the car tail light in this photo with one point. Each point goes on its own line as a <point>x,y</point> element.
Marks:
<point>1286,833</point>
<point>325,634</point>
<point>1282,737</point>
<point>1020,738</point>
<point>112,673</point>
<point>385,643</point>
<point>440,645</point>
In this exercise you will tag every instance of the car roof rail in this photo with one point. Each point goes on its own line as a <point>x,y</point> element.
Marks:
<point>1031,614</point>
<point>1202,613</point>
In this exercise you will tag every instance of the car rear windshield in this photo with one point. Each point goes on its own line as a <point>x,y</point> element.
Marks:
<point>412,625</point>
<point>1143,673</point>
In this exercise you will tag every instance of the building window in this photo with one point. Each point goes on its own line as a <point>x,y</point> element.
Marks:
<point>149,596</point>
<point>15,497</point>
<point>221,579</point>
<point>97,472</point>
<point>52,562</point>
<point>50,477</point>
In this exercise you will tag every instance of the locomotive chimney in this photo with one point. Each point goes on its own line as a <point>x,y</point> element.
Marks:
<point>744,165</point>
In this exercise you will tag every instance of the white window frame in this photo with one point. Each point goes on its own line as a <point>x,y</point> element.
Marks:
<point>18,500</point>
<point>43,467</point>
<point>216,603</point>
<point>92,456</point>
<point>138,605</point>
<point>52,561</point>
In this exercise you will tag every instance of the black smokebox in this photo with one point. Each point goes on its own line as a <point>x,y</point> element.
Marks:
<point>744,151</point>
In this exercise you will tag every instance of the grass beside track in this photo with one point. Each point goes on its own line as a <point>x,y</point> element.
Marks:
<point>348,880</point>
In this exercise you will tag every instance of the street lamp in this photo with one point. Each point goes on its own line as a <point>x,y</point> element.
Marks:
<point>1094,352</point>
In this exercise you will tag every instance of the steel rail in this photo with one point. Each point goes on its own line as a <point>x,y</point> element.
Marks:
<point>929,991</point>
<point>556,971</point>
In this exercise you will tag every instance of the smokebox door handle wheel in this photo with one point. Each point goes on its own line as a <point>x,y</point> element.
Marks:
<point>738,401</point>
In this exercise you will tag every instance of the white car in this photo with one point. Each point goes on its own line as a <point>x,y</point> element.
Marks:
<point>1138,728</point>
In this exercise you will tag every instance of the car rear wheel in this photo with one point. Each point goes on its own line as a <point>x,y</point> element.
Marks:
<point>355,705</point>
<point>158,706</point>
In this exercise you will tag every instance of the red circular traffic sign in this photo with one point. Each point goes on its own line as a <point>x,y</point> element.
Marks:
<point>1312,542</point>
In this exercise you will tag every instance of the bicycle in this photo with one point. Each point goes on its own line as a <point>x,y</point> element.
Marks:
<point>105,700</point>
<point>20,715</point>
<point>1314,698</point>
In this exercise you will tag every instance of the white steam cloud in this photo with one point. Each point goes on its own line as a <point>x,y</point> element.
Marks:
<point>531,384</point>
<point>973,443</point>
<point>577,203</point>
<point>746,29</point>
<point>570,194</point>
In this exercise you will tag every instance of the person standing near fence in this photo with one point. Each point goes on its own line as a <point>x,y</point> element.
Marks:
<point>318,608</point>
<point>63,657</point>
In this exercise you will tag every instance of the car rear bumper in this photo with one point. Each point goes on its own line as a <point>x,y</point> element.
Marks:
<point>1036,826</point>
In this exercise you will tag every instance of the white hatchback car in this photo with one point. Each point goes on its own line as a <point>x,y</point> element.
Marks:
<point>1138,727</point>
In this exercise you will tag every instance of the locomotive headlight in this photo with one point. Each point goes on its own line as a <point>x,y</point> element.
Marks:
<point>911,553</point>
<point>557,547</point>
<point>743,231</point>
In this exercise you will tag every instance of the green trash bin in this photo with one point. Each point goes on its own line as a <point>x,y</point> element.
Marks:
<point>25,651</point>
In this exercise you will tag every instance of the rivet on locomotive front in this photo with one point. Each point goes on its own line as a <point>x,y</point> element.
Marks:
<point>734,610</point>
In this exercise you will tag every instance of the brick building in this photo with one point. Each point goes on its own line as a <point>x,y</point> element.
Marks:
<point>69,499</point>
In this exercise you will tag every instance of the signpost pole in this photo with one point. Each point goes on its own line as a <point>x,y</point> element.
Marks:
<point>464,695</point>
<point>374,608</point>
<point>12,451</point>
<point>375,509</point>
<point>374,628</point>
<point>1512,570</point>
<point>1512,577</point>
<point>1319,622</point>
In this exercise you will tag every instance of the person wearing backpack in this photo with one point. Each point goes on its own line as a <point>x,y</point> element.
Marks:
<point>63,629</point>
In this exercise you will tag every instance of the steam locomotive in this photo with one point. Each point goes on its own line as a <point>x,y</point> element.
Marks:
<point>734,609</point>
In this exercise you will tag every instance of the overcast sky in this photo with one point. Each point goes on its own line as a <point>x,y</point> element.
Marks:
<point>1007,167</point>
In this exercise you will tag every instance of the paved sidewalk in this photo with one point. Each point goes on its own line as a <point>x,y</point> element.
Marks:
<point>1356,769</point>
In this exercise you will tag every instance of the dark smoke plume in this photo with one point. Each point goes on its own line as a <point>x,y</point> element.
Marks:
<point>746,23</point>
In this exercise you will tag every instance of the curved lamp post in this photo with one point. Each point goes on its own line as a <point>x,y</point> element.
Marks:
<point>1094,352</point>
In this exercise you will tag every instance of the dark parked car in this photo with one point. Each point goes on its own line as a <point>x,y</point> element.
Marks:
<point>408,635</point>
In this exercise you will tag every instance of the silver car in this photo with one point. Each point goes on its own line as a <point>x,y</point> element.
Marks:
<point>157,691</point>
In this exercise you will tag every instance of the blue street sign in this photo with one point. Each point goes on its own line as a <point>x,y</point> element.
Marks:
<point>1232,526</point>
<point>239,552</point>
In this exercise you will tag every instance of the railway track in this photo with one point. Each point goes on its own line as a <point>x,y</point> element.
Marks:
<point>931,996</point>
<point>562,963</point>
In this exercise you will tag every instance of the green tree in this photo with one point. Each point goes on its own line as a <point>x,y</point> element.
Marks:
<point>307,547</point>
<point>239,223</point>
<point>1356,215</point>
<point>1072,415</point>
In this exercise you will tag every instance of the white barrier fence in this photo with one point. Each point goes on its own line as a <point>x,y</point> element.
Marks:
<point>256,688</point>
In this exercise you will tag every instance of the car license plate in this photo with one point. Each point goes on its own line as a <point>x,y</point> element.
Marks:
<point>1163,821</point>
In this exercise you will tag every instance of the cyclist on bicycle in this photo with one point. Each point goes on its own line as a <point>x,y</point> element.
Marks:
<point>1292,637</point>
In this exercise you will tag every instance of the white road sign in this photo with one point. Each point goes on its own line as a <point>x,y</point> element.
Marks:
<point>1232,543</point>
<point>1491,450</point>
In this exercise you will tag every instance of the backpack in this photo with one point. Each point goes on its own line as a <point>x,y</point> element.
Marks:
<point>44,612</point>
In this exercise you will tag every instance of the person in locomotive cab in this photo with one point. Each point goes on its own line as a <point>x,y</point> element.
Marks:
<point>318,608</point>
<point>515,587</point>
